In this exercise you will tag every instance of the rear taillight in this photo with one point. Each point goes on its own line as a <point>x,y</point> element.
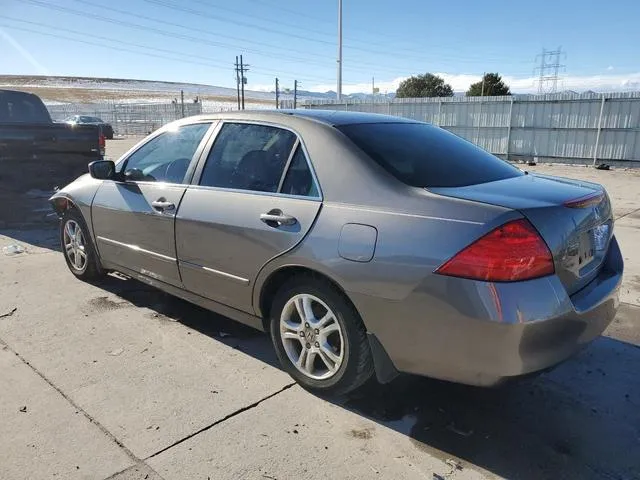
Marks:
<point>102,143</point>
<point>512,252</point>
<point>586,201</point>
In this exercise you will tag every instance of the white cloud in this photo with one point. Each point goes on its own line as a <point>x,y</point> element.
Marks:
<point>461,82</point>
<point>610,67</point>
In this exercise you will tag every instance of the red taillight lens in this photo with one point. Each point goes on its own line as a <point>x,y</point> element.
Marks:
<point>512,252</point>
<point>101,140</point>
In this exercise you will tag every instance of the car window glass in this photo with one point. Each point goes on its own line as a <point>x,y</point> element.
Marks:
<point>299,180</point>
<point>21,108</point>
<point>166,157</point>
<point>248,157</point>
<point>422,155</point>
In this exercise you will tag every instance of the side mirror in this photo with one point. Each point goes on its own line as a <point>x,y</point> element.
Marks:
<point>103,170</point>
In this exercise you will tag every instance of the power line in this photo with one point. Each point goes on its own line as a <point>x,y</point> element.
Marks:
<point>200,13</point>
<point>287,59</point>
<point>218,66</point>
<point>151,29</point>
<point>405,48</point>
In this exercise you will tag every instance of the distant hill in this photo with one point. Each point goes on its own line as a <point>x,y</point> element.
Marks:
<point>54,89</point>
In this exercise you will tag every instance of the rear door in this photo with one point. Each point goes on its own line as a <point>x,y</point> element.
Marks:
<point>134,219</point>
<point>254,198</point>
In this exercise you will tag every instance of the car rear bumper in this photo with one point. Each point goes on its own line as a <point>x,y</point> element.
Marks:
<point>495,331</point>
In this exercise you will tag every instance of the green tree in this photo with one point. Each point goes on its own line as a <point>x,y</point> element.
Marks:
<point>427,85</point>
<point>493,86</point>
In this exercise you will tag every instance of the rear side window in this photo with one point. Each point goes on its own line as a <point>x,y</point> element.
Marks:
<point>422,155</point>
<point>299,180</point>
<point>248,157</point>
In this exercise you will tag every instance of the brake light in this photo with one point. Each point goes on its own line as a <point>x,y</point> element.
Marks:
<point>102,143</point>
<point>586,201</point>
<point>512,252</point>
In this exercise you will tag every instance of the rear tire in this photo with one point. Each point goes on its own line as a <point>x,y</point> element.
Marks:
<point>319,337</point>
<point>77,247</point>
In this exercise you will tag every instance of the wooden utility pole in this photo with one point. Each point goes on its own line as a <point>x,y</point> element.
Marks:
<point>238,80</point>
<point>277,93</point>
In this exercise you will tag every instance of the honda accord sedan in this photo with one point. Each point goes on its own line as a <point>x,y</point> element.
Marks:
<point>364,244</point>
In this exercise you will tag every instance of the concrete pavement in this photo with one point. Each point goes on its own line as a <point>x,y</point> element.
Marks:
<point>120,381</point>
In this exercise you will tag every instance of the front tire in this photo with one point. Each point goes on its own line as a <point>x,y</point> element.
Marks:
<point>77,247</point>
<point>319,337</point>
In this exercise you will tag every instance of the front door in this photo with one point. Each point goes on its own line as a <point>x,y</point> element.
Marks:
<point>254,199</point>
<point>134,219</point>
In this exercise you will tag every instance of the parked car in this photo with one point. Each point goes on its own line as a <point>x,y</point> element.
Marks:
<point>362,243</point>
<point>106,128</point>
<point>35,152</point>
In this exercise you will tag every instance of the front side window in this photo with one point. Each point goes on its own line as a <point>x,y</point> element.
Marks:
<point>248,157</point>
<point>166,157</point>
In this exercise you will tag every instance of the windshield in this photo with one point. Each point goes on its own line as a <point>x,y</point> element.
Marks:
<point>422,155</point>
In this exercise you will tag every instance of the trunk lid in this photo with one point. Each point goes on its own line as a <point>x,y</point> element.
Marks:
<point>577,235</point>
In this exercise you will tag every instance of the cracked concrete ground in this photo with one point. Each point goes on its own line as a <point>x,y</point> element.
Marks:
<point>119,381</point>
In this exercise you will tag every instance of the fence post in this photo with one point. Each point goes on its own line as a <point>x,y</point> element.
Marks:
<point>595,148</point>
<point>439,112</point>
<point>509,129</point>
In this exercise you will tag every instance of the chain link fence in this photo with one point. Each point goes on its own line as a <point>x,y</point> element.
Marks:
<point>129,118</point>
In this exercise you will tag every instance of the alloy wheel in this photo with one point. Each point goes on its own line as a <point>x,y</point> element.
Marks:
<point>312,336</point>
<point>75,246</point>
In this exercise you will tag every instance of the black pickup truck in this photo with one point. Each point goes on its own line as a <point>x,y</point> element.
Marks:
<point>35,152</point>
<point>37,155</point>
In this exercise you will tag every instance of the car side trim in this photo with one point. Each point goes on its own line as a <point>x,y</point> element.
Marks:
<point>389,212</point>
<point>195,266</point>
<point>136,248</point>
<point>235,314</point>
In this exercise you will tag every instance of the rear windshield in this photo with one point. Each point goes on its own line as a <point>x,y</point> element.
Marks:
<point>422,155</point>
<point>18,107</point>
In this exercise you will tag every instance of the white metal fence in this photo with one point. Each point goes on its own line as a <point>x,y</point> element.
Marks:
<point>567,128</point>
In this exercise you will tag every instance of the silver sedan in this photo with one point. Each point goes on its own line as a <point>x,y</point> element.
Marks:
<point>365,244</point>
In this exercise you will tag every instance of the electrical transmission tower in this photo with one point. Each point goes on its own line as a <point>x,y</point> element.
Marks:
<point>549,69</point>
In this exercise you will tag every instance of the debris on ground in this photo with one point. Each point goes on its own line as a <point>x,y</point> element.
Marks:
<point>13,249</point>
<point>453,464</point>
<point>532,164</point>
<point>116,352</point>
<point>23,409</point>
<point>460,431</point>
<point>603,166</point>
<point>9,313</point>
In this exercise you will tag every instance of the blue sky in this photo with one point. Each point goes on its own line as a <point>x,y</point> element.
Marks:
<point>197,40</point>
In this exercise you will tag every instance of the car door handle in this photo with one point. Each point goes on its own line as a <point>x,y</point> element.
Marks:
<point>275,218</point>
<point>162,205</point>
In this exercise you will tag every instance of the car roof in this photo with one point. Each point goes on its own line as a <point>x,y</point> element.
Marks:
<point>329,117</point>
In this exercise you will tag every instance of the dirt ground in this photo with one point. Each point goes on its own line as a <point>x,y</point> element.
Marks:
<point>119,381</point>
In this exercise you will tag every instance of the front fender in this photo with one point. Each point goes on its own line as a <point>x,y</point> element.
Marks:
<point>78,194</point>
